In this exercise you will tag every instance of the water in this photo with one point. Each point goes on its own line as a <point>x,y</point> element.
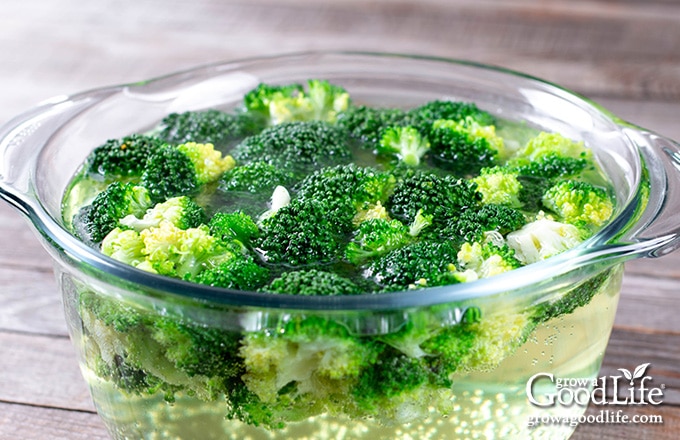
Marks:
<point>480,404</point>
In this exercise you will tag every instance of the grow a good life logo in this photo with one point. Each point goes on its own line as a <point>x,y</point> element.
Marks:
<point>545,390</point>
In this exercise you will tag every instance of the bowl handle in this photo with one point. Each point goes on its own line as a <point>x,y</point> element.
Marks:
<point>657,229</point>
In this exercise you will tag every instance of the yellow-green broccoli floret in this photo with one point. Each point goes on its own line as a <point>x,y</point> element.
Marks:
<point>579,203</point>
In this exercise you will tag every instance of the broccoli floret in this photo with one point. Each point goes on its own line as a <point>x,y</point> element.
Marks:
<point>181,211</point>
<point>124,245</point>
<point>183,169</point>
<point>123,158</point>
<point>552,166</point>
<point>420,263</point>
<point>405,143</point>
<point>473,224</point>
<point>500,186</point>
<point>487,258</point>
<point>427,114</point>
<point>543,238</point>
<point>376,237</point>
<point>107,209</point>
<point>361,186</point>
<point>463,147</point>
<point>183,253</point>
<point>255,178</point>
<point>129,378</point>
<point>441,197</point>
<point>579,203</point>
<point>310,282</point>
<point>368,124</point>
<point>299,147</point>
<point>233,226</point>
<point>306,231</point>
<point>207,127</point>
<point>278,104</point>
<point>551,155</point>
<point>238,273</point>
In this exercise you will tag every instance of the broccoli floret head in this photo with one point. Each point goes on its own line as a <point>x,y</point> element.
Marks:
<point>551,155</point>
<point>419,264</point>
<point>473,224</point>
<point>181,211</point>
<point>376,237</point>
<point>463,148</point>
<point>405,143</point>
<point>183,169</point>
<point>500,186</point>
<point>440,197</point>
<point>107,209</point>
<point>579,203</point>
<point>123,158</point>
<point>427,114</point>
<point>238,273</point>
<point>306,231</point>
<point>358,185</point>
<point>255,178</point>
<point>207,127</point>
<point>312,282</point>
<point>368,124</point>
<point>487,258</point>
<point>124,245</point>
<point>296,146</point>
<point>321,101</point>
<point>233,226</point>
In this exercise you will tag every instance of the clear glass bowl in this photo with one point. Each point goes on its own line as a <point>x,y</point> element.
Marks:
<point>42,149</point>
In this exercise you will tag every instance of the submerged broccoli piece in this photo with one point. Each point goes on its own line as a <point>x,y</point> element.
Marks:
<point>233,226</point>
<point>487,258</point>
<point>551,155</point>
<point>183,169</point>
<point>368,124</point>
<point>123,158</point>
<point>207,127</point>
<point>376,237</point>
<point>473,224</point>
<point>238,273</point>
<point>296,146</point>
<point>500,186</point>
<point>425,116</point>
<point>104,214</point>
<point>310,282</point>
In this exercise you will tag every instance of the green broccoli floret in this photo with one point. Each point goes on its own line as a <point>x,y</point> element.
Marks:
<point>418,264</point>
<point>368,124</point>
<point>359,185</point>
<point>181,211</point>
<point>551,155</point>
<point>473,224</point>
<point>464,147</point>
<point>128,378</point>
<point>424,116</point>
<point>378,236</point>
<point>579,203</point>
<point>306,231</point>
<point>104,214</point>
<point>233,226</point>
<point>124,245</point>
<point>123,158</point>
<point>255,178</point>
<point>309,282</point>
<point>441,197</point>
<point>207,127</point>
<point>238,273</point>
<point>487,258</point>
<point>543,238</point>
<point>322,101</point>
<point>500,186</point>
<point>299,147</point>
<point>183,169</point>
<point>405,143</point>
<point>183,253</point>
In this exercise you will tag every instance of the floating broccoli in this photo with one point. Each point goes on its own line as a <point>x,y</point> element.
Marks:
<point>207,127</point>
<point>405,143</point>
<point>123,158</point>
<point>579,203</point>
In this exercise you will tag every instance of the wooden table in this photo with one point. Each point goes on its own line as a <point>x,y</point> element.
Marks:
<point>623,53</point>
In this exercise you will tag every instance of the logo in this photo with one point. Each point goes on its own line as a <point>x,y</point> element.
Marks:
<point>545,390</point>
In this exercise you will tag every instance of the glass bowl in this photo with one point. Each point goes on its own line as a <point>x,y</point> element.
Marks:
<point>119,317</point>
